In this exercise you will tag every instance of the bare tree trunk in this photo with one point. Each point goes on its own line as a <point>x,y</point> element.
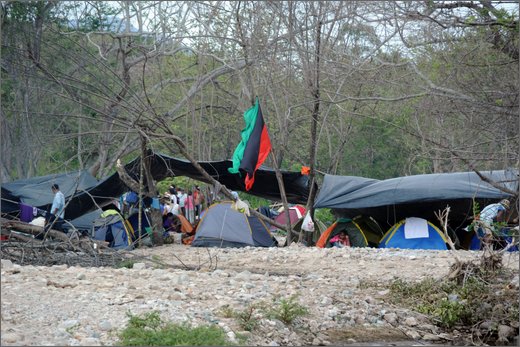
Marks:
<point>314,125</point>
<point>284,199</point>
<point>155,214</point>
<point>150,192</point>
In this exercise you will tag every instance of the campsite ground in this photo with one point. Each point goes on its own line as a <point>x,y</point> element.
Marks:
<point>345,291</point>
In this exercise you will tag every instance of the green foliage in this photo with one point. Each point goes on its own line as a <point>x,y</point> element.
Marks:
<point>150,330</point>
<point>247,318</point>
<point>129,263</point>
<point>451,304</point>
<point>449,313</point>
<point>283,309</point>
<point>254,201</point>
<point>287,310</point>
<point>324,215</point>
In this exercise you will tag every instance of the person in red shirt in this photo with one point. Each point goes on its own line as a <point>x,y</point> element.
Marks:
<point>340,240</point>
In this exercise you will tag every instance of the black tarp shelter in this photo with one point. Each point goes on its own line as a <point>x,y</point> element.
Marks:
<point>83,193</point>
<point>388,201</point>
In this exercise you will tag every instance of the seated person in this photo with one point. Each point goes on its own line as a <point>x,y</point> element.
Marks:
<point>340,240</point>
<point>171,223</point>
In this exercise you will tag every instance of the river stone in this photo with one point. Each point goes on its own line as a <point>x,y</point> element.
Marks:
<point>413,334</point>
<point>231,336</point>
<point>89,341</point>
<point>105,325</point>
<point>243,276</point>
<point>139,266</point>
<point>11,338</point>
<point>431,337</point>
<point>6,264</point>
<point>69,323</point>
<point>390,317</point>
<point>504,332</point>
<point>410,321</point>
<point>314,326</point>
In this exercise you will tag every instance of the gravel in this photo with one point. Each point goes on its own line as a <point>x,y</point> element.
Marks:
<point>73,306</point>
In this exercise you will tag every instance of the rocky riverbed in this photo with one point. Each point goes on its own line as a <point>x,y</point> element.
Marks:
<point>63,305</point>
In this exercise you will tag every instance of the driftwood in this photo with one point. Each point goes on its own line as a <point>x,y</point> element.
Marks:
<point>12,225</point>
<point>32,229</point>
<point>55,248</point>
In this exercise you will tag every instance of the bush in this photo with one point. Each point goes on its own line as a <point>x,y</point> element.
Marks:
<point>287,310</point>
<point>452,304</point>
<point>129,263</point>
<point>149,330</point>
<point>246,318</point>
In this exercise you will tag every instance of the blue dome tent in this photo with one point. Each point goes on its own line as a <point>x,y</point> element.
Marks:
<point>414,233</point>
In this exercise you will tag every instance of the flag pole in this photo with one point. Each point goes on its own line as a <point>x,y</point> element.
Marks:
<point>283,195</point>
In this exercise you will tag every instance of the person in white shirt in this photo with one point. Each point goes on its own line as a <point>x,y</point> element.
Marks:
<point>494,213</point>
<point>57,211</point>
<point>182,196</point>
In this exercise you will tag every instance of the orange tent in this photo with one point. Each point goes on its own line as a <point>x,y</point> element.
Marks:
<point>322,241</point>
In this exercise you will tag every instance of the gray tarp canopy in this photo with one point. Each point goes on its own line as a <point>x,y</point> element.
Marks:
<point>36,191</point>
<point>390,200</point>
<point>83,193</point>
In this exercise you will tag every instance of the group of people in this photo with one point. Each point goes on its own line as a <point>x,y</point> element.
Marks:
<point>179,201</point>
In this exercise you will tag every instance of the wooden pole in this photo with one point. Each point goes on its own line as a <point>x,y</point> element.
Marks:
<point>314,125</point>
<point>283,195</point>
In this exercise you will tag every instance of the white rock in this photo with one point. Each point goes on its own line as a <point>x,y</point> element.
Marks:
<point>69,323</point>
<point>11,337</point>
<point>333,312</point>
<point>504,332</point>
<point>139,266</point>
<point>6,264</point>
<point>314,327</point>
<point>410,321</point>
<point>390,317</point>
<point>183,279</point>
<point>430,337</point>
<point>243,276</point>
<point>413,334</point>
<point>105,325</point>
<point>90,341</point>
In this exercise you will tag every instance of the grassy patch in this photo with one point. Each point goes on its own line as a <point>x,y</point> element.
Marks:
<point>463,305</point>
<point>125,264</point>
<point>150,330</point>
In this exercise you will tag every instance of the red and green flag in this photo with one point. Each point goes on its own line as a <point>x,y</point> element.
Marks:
<point>254,147</point>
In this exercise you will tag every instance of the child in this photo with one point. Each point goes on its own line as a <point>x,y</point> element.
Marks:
<point>341,240</point>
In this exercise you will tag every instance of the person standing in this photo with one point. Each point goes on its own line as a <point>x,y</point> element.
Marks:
<point>57,209</point>
<point>182,201</point>
<point>198,198</point>
<point>494,213</point>
<point>190,208</point>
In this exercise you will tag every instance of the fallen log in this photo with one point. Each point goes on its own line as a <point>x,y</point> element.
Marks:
<point>32,229</point>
